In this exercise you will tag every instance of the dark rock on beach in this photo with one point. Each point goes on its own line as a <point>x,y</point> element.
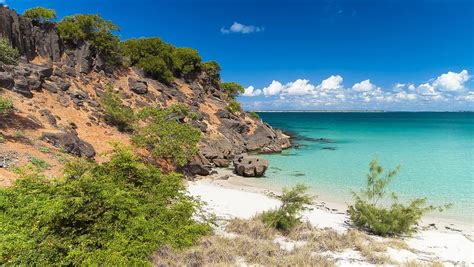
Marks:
<point>250,166</point>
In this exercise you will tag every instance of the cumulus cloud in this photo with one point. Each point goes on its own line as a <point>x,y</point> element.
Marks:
<point>447,91</point>
<point>273,89</point>
<point>250,91</point>
<point>451,81</point>
<point>364,86</point>
<point>333,82</point>
<point>241,28</point>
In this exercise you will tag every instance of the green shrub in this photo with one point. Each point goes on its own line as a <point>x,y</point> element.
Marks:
<point>116,113</point>
<point>116,213</point>
<point>5,105</point>
<point>166,139</point>
<point>138,49</point>
<point>8,54</point>
<point>233,106</point>
<point>371,214</point>
<point>233,89</point>
<point>288,215</point>
<point>39,163</point>
<point>212,69</point>
<point>156,68</point>
<point>182,109</point>
<point>94,30</point>
<point>254,115</point>
<point>40,14</point>
<point>186,61</point>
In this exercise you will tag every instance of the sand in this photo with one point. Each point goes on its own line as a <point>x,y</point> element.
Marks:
<point>235,198</point>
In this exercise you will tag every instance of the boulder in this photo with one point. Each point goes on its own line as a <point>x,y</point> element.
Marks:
<point>70,142</point>
<point>22,87</point>
<point>50,86</point>
<point>250,166</point>
<point>137,86</point>
<point>6,80</point>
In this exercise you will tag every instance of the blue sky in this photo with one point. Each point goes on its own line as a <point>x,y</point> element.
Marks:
<point>328,54</point>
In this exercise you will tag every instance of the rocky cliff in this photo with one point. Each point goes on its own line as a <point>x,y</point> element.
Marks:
<point>56,91</point>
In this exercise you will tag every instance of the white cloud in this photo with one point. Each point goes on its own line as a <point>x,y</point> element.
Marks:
<point>250,91</point>
<point>241,28</point>
<point>333,82</point>
<point>430,95</point>
<point>273,89</point>
<point>299,87</point>
<point>364,86</point>
<point>451,81</point>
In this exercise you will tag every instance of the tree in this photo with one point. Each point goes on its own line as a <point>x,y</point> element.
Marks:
<point>40,14</point>
<point>8,54</point>
<point>156,68</point>
<point>166,138</point>
<point>212,69</point>
<point>186,61</point>
<point>94,30</point>
<point>293,202</point>
<point>233,89</point>
<point>371,213</point>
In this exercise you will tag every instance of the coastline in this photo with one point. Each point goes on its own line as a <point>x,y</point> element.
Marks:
<point>229,195</point>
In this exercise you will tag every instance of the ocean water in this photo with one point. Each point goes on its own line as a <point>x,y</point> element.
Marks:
<point>435,152</point>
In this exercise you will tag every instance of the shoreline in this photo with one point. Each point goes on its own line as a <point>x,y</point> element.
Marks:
<point>228,196</point>
<point>325,203</point>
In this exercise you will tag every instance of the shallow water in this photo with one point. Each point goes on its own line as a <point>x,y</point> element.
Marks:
<point>435,152</point>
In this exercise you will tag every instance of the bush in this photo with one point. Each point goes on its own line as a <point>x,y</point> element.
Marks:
<point>233,89</point>
<point>5,105</point>
<point>116,113</point>
<point>288,215</point>
<point>186,61</point>
<point>254,115</point>
<point>137,50</point>
<point>156,68</point>
<point>368,213</point>
<point>94,30</point>
<point>212,69</point>
<point>114,213</point>
<point>166,139</point>
<point>234,106</point>
<point>182,110</point>
<point>40,14</point>
<point>8,54</point>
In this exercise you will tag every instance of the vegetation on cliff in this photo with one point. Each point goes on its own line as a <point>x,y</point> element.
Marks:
<point>8,54</point>
<point>114,213</point>
<point>5,105</point>
<point>40,14</point>
<point>94,30</point>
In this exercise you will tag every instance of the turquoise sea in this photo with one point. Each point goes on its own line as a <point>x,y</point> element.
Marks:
<point>435,152</point>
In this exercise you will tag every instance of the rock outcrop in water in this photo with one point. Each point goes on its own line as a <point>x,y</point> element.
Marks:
<point>60,88</point>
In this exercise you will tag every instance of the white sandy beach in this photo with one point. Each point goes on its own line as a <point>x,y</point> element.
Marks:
<point>236,198</point>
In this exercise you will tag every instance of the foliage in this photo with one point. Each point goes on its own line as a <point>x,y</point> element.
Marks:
<point>116,113</point>
<point>39,163</point>
<point>232,88</point>
<point>181,109</point>
<point>212,69</point>
<point>5,105</point>
<point>8,54</point>
<point>114,213</point>
<point>155,67</point>
<point>233,106</point>
<point>94,30</point>
<point>138,49</point>
<point>40,14</point>
<point>254,115</point>
<point>288,215</point>
<point>166,139</point>
<point>186,61</point>
<point>371,215</point>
